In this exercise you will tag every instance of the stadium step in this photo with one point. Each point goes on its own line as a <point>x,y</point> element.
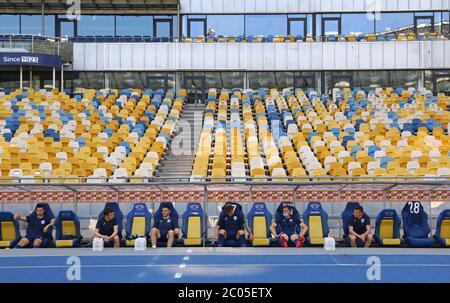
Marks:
<point>180,157</point>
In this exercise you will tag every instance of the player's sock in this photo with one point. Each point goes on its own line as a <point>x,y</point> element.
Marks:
<point>221,241</point>
<point>283,242</point>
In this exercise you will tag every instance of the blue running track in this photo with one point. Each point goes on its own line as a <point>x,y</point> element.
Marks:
<point>241,265</point>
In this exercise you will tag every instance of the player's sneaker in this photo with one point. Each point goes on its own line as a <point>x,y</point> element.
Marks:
<point>283,242</point>
<point>300,242</point>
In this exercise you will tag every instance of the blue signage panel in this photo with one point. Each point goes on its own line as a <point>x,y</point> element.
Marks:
<point>34,59</point>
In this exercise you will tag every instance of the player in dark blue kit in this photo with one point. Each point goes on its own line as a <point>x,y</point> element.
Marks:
<point>359,227</point>
<point>165,228</point>
<point>107,228</point>
<point>289,228</point>
<point>37,229</point>
<point>231,226</point>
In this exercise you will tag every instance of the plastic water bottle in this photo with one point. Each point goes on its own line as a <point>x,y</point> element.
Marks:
<point>140,244</point>
<point>329,244</point>
<point>98,244</point>
<point>332,244</point>
<point>326,243</point>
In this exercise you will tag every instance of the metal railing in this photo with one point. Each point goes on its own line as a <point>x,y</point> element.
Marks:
<point>38,44</point>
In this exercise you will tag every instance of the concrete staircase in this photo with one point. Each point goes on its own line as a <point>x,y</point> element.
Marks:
<point>180,156</point>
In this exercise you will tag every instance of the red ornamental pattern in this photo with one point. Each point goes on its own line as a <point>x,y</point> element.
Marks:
<point>224,196</point>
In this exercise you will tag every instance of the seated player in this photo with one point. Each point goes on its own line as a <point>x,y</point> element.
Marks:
<point>37,229</point>
<point>230,227</point>
<point>107,228</point>
<point>164,229</point>
<point>359,227</point>
<point>289,228</point>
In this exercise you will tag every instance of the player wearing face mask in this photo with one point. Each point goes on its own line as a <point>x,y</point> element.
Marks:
<point>289,228</point>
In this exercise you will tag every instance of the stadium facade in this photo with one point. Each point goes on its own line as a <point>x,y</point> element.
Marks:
<point>200,44</point>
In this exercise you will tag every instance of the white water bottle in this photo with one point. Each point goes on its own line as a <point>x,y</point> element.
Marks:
<point>140,244</point>
<point>326,243</point>
<point>98,244</point>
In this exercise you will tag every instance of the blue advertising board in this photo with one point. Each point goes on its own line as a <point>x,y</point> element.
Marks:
<point>34,59</point>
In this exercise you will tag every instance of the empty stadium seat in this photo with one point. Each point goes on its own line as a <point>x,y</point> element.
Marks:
<point>387,228</point>
<point>416,229</point>
<point>259,221</point>
<point>138,223</point>
<point>317,221</point>
<point>67,226</point>
<point>193,225</point>
<point>9,230</point>
<point>442,234</point>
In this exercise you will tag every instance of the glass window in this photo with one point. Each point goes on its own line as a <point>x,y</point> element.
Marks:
<point>371,79</point>
<point>134,25</point>
<point>32,25</point>
<point>442,24</point>
<point>95,80</point>
<point>96,25</point>
<point>331,24</point>
<point>160,80</point>
<point>357,24</point>
<point>404,79</point>
<point>266,25</point>
<point>10,24</point>
<point>67,28</point>
<point>232,80</point>
<point>442,81</point>
<point>394,23</point>
<point>162,28</point>
<point>284,80</point>
<point>122,80</point>
<point>227,25</point>
<point>261,79</point>
<point>305,80</point>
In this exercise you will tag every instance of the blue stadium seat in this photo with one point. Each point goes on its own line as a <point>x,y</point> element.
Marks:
<point>387,228</point>
<point>415,225</point>
<point>442,234</point>
<point>68,232</point>
<point>346,217</point>
<point>279,215</point>
<point>259,221</point>
<point>158,216</point>
<point>193,224</point>
<point>9,230</point>
<point>48,239</point>
<point>317,221</point>
<point>173,212</point>
<point>138,223</point>
<point>118,214</point>
<point>237,209</point>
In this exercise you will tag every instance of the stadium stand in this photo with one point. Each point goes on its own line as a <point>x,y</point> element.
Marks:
<point>283,136</point>
<point>94,135</point>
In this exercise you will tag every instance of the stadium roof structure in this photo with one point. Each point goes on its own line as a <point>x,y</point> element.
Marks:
<point>91,6</point>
